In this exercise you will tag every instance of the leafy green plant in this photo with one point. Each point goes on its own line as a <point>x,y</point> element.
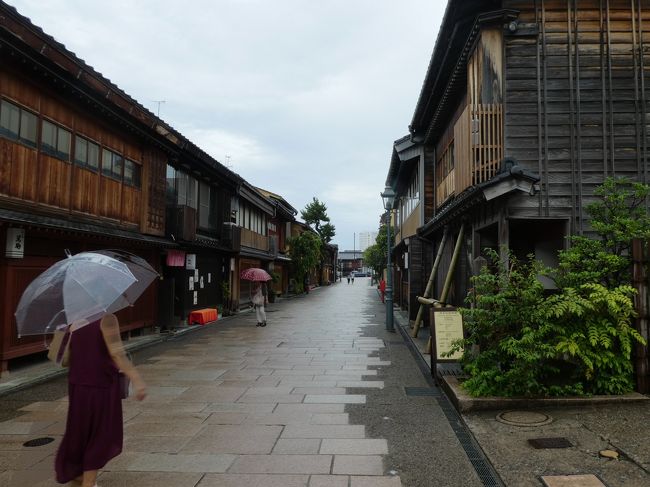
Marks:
<point>305,252</point>
<point>509,348</point>
<point>617,216</point>
<point>596,336</point>
<point>578,340</point>
<point>521,342</point>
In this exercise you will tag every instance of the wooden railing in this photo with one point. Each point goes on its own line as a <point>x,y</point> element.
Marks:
<point>486,141</point>
<point>446,188</point>
<point>254,240</point>
<point>478,146</point>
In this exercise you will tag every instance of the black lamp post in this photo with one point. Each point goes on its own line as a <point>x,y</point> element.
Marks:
<point>388,198</point>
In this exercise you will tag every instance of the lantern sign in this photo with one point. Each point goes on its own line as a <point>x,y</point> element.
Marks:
<point>15,243</point>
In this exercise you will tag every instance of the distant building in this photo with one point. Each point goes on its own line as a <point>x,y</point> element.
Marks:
<point>350,260</point>
<point>366,239</point>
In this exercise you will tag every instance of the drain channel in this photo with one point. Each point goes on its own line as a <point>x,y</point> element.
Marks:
<point>475,455</point>
<point>421,391</point>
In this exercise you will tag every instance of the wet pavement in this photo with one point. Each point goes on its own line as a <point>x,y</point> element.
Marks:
<point>323,396</point>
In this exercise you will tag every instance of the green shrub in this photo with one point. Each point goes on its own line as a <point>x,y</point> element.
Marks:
<point>579,340</point>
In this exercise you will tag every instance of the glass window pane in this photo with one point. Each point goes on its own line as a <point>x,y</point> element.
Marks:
<point>48,137</point>
<point>10,119</point>
<point>93,155</point>
<point>80,151</point>
<point>107,162</point>
<point>171,185</point>
<point>118,162</point>
<point>131,173</point>
<point>192,190</point>
<point>128,171</point>
<point>63,144</point>
<point>181,187</point>
<point>28,126</point>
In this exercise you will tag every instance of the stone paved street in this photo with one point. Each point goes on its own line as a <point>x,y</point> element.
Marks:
<point>317,398</point>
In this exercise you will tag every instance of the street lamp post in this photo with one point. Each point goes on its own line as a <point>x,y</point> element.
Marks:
<point>388,197</point>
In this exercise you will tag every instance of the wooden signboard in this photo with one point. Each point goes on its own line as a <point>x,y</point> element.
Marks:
<point>447,327</point>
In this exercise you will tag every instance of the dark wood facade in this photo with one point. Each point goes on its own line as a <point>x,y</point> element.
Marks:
<point>83,166</point>
<point>527,106</point>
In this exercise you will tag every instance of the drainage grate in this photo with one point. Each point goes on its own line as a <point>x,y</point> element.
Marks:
<point>421,391</point>
<point>38,441</point>
<point>559,442</point>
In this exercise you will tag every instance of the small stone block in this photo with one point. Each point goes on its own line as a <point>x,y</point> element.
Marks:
<point>609,454</point>
<point>587,480</point>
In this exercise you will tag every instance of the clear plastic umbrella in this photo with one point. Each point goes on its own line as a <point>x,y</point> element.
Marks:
<point>142,271</point>
<point>84,286</point>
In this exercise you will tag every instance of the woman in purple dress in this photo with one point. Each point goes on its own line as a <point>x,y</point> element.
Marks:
<point>94,429</point>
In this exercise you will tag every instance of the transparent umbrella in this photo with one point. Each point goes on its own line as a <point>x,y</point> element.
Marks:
<point>82,286</point>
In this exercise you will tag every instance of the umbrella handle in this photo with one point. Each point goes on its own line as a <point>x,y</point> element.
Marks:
<point>68,254</point>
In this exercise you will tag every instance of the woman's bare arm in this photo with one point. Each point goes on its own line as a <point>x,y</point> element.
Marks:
<point>111,331</point>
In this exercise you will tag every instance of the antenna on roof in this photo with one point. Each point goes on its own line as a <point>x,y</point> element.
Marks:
<point>159,102</point>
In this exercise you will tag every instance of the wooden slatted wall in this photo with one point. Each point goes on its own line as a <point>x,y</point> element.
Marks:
<point>577,95</point>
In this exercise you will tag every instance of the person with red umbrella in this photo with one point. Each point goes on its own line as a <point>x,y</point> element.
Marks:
<point>259,292</point>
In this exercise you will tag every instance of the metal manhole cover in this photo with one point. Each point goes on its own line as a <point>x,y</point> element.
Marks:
<point>524,418</point>
<point>38,442</point>
<point>559,442</point>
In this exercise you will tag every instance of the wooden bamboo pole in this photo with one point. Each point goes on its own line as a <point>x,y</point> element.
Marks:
<point>429,288</point>
<point>450,275</point>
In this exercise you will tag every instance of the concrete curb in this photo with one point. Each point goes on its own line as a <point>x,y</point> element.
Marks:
<point>463,402</point>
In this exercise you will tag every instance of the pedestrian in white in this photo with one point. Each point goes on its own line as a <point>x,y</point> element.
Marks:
<point>260,298</point>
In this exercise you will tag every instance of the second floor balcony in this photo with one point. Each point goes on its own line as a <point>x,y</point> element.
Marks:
<point>254,240</point>
<point>477,151</point>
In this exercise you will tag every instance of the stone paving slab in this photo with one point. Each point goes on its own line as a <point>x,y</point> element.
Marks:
<point>236,405</point>
<point>282,464</point>
<point>572,481</point>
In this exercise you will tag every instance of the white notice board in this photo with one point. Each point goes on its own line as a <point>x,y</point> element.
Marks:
<point>448,326</point>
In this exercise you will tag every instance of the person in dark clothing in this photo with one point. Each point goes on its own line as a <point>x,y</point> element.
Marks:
<point>94,429</point>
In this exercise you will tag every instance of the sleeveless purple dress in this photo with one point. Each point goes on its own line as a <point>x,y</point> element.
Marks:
<point>93,433</point>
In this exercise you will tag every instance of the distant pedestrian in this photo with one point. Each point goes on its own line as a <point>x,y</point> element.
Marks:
<point>382,289</point>
<point>260,298</point>
<point>352,278</point>
<point>348,278</point>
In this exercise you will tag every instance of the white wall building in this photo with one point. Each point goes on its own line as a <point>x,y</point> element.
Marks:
<point>366,239</point>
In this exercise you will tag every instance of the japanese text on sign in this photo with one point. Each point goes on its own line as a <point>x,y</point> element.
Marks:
<point>449,328</point>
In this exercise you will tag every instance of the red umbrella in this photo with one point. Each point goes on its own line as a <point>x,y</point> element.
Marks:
<point>255,274</point>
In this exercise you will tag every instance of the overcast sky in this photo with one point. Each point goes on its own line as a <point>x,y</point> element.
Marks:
<point>300,97</point>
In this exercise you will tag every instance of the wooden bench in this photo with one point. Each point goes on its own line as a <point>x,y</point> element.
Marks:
<point>202,316</point>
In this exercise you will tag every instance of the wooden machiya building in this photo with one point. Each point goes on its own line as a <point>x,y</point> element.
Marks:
<point>83,166</point>
<point>279,229</point>
<point>252,213</point>
<point>526,107</point>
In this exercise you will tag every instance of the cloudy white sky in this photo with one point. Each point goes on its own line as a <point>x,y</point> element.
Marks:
<point>301,97</point>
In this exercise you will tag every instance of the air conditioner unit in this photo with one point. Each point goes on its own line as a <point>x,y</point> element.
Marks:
<point>181,222</point>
